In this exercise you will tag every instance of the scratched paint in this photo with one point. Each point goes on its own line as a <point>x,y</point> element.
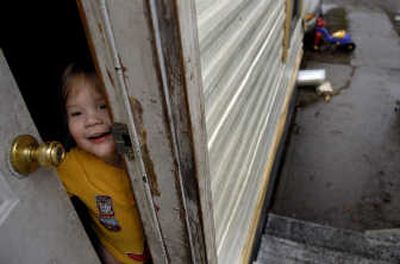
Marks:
<point>137,111</point>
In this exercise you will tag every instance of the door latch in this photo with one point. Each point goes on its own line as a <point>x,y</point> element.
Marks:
<point>122,140</point>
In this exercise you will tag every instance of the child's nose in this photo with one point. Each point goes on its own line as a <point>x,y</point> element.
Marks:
<point>92,119</point>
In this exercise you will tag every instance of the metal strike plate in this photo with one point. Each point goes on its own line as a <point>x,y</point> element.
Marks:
<point>122,140</point>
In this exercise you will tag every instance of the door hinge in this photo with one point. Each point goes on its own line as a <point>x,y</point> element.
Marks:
<point>122,140</point>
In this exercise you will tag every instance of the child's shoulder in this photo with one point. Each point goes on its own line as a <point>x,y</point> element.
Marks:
<point>70,163</point>
<point>70,170</point>
<point>71,156</point>
<point>76,155</point>
<point>77,159</point>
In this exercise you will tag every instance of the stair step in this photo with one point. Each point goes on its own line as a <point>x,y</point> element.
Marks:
<point>336,239</point>
<point>275,250</point>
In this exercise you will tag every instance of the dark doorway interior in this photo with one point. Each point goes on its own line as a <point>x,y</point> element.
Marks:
<point>39,38</point>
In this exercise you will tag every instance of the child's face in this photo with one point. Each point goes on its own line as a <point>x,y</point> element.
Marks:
<point>89,120</point>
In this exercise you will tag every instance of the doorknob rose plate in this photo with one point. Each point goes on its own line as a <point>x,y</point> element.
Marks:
<point>27,155</point>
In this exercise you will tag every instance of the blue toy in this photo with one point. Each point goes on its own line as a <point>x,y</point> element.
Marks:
<point>339,39</point>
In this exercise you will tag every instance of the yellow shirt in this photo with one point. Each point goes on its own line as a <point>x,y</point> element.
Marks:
<point>106,192</point>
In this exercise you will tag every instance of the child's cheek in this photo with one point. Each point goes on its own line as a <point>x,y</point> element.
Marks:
<point>74,130</point>
<point>107,117</point>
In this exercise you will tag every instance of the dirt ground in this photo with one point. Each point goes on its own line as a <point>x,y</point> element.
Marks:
<point>342,162</point>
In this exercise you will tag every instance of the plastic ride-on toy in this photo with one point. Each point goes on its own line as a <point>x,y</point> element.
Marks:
<point>338,40</point>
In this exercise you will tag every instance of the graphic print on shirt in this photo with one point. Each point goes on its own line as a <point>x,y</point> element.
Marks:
<point>106,213</point>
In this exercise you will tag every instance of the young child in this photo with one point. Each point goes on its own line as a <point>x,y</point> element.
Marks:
<point>93,173</point>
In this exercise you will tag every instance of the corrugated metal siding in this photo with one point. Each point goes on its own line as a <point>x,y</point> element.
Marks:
<point>245,84</point>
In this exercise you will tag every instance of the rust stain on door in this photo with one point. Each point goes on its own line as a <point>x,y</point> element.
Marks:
<point>137,111</point>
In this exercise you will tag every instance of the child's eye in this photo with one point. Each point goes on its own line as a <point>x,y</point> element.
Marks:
<point>103,106</point>
<point>77,113</point>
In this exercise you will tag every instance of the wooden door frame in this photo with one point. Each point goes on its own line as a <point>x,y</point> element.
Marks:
<point>147,54</point>
<point>288,25</point>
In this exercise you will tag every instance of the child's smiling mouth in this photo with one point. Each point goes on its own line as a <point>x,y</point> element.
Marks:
<point>99,137</point>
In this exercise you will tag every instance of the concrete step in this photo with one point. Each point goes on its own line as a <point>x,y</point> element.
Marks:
<point>331,238</point>
<point>275,250</point>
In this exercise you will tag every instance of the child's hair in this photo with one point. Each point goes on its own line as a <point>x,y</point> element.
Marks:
<point>72,71</point>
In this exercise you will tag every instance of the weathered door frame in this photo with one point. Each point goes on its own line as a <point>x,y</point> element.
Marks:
<point>147,55</point>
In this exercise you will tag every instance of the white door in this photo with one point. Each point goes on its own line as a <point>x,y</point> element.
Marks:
<point>37,222</point>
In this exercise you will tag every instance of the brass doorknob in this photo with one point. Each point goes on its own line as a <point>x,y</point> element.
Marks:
<point>27,155</point>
